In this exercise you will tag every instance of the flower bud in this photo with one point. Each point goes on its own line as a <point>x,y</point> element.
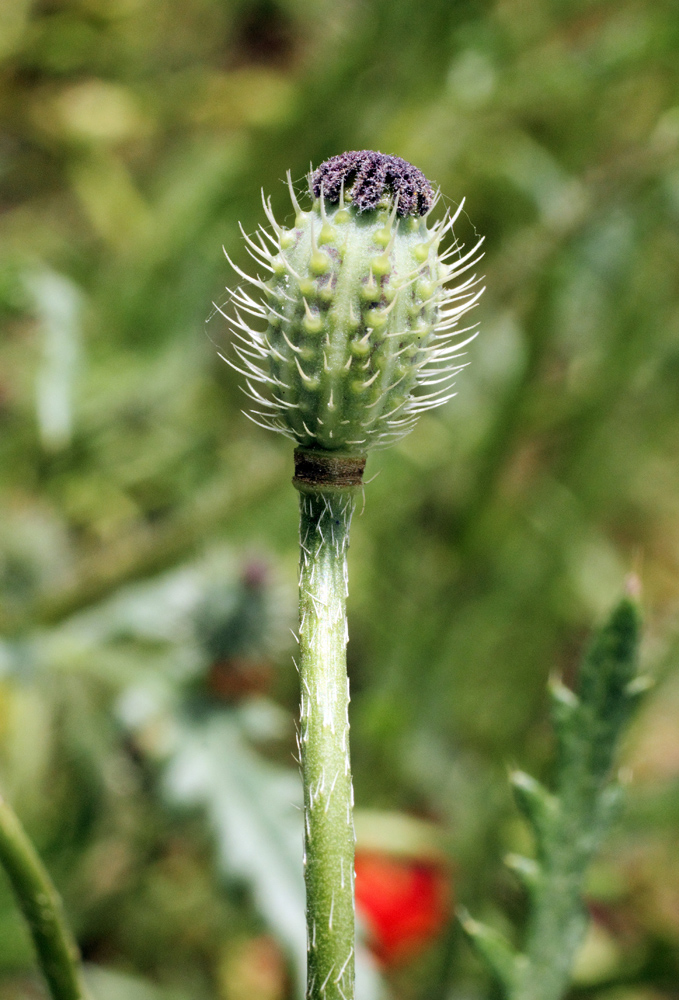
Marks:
<point>359,308</point>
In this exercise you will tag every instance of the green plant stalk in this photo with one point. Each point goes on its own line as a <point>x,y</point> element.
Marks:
<point>41,905</point>
<point>570,823</point>
<point>325,518</point>
<point>361,308</point>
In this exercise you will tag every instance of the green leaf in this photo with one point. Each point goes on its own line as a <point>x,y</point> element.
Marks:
<point>493,948</point>
<point>535,802</point>
<point>569,825</point>
<point>253,808</point>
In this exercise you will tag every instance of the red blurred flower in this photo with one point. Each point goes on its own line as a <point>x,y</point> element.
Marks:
<point>405,902</point>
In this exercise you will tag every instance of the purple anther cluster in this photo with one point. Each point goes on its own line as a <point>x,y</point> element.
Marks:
<point>368,175</point>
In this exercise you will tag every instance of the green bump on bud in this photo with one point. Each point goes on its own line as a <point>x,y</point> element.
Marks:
<point>393,313</point>
<point>383,236</point>
<point>369,292</point>
<point>308,288</point>
<point>381,265</point>
<point>360,348</point>
<point>353,321</point>
<point>312,322</point>
<point>328,234</point>
<point>278,266</point>
<point>319,263</point>
<point>377,317</point>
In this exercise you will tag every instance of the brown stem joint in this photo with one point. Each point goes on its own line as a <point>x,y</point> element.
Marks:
<point>322,469</point>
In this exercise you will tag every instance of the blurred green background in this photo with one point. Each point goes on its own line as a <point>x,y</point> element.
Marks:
<point>148,530</point>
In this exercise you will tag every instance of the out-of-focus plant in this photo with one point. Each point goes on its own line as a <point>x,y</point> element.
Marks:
<point>569,824</point>
<point>177,722</point>
<point>54,943</point>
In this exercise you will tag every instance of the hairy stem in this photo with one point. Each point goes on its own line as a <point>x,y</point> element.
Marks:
<point>57,951</point>
<point>325,517</point>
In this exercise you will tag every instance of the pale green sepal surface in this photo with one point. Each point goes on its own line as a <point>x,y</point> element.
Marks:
<point>353,310</point>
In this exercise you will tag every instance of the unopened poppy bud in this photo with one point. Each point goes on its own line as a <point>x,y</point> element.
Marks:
<point>359,308</point>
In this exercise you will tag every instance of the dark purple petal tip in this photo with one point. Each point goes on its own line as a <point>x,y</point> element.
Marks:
<point>368,175</point>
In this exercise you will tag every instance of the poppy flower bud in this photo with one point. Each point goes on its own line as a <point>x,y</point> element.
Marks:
<point>358,307</point>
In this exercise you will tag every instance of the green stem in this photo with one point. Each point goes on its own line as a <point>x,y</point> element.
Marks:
<point>569,825</point>
<point>325,517</point>
<point>589,725</point>
<point>57,951</point>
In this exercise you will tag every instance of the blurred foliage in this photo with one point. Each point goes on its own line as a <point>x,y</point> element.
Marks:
<point>134,135</point>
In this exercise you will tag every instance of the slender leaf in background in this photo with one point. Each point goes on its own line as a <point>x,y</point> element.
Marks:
<point>253,809</point>
<point>41,905</point>
<point>569,824</point>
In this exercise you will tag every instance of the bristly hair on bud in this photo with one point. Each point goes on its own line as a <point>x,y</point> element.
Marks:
<point>358,304</point>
